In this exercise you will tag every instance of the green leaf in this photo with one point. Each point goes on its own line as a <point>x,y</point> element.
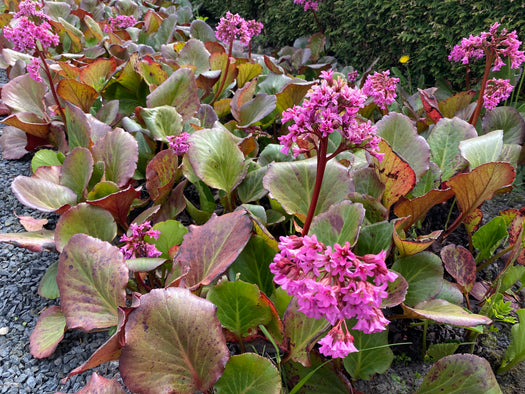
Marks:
<point>374,238</point>
<point>292,184</point>
<point>76,170</point>
<point>171,234</point>
<point>444,145</point>
<point>437,351</point>
<point>179,91</point>
<point>339,224</point>
<point>368,361</point>
<point>398,130</point>
<point>45,157</point>
<point>118,150</point>
<point>86,219</point>
<point>23,94</point>
<point>249,373</point>
<point>92,277</point>
<point>256,109</point>
<point>144,264</point>
<point>507,119</point>
<point>48,287</point>
<point>216,159</point>
<point>443,311</point>
<point>193,353</point>
<point>251,187</point>
<point>225,237</point>
<point>42,194</point>
<point>489,236</point>
<point>424,274</point>
<point>162,121</point>
<point>515,352</point>
<point>460,373</point>
<point>195,53</point>
<point>239,306</point>
<point>483,149</point>
<point>202,31</point>
<point>48,332</point>
<point>253,264</point>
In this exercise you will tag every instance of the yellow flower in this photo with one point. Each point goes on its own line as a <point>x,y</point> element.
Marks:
<point>404,59</point>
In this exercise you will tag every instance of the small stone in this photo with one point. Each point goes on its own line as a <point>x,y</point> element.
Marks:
<point>4,330</point>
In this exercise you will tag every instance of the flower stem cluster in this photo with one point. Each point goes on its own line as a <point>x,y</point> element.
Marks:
<point>308,4</point>
<point>119,22</point>
<point>179,143</point>
<point>496,90</point>
<point>234,27</point>
<point>329,107</point>
<point>500,45</point>
<point>136,246</point>
<point>335,284</point>
<point>30,29</point>
<point>382,87</point>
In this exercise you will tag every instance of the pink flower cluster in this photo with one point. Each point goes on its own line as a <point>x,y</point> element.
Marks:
<point>496,91</point>
<point>329,107</point>
<point>308,4</point>
<point>179,143</point>
<point>30,26</point>
<point>33,69</point>
<point>234,27</point>
<point>500,44</point>
<point>119,22</point>
<point>136,246</point>
<point>332,283</point>
<point>382,87</point>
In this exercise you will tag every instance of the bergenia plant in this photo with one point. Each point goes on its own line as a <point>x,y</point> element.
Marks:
<point>494,46</point>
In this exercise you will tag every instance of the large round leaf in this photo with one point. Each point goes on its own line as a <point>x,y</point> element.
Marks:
<point>42,194</point>
<point>424,274</point>
<point>174,343</point>
<point>398,130</point>
<point>249,373</point>
<point>23,94</point>
<point>292,185</point>
<point>92,277</point>
<point>86,219</point>
<point>76,170</point>
<point>119,151</point>
<point>443,311</point>
<point>162,121</point>
<point>507,119</point>
<point>483,149</point>
<point>48,332</point>
<point>216,159</point>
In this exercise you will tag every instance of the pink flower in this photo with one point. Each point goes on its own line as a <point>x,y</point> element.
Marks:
<point>497,90</point>
<point>332,282</point>
<point>382,88</point>
<point>337,343</point>
<point>179,143</point>
<point>33,69</point>
<point>234,27</point>
<point>352,76</point>
<point>120,22</point>
<point>501,45</point>
<point>308,4</point>
<point>330,106</point>
<point>136,246</point>
<point>25,33</point>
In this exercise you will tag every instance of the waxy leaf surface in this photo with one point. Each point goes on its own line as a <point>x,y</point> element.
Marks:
<point>340,224</point>
<point>443,311</point>
<point>483,149</point>
<point>117,203</point>
<point>41,194</point>
<point>86,219</point>
<point>418,207</point>
<point>460,373</point>
<point>174,343</point>
<point>402,136</point>
<point>76,170</point>
<point>460,264</point>
<point>249,373</point>
<point>507,119</point>
<point>77,93</point>
<point>216,158</point>
<point>395,173</point>
<point>292,185</point>
<point>160,174</point>
<point>92,277</point>
<point>23,94</point>
<point>162,121</point>
<point>48,332</point>
<point>424,274</point>
<point>35,241</point>
<point>225,237</point>
<point>444,145</point>
<point>79,132</point>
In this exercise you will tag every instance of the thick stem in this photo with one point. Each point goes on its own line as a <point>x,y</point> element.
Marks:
<point>490,56</point>
<point>321,165</point>
<point>317,22</point>
<point>467,77</point>
<point>52,87</point>
<point>223,77</point>
<point>250,50</point>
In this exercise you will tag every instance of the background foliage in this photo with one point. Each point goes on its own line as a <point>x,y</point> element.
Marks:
<point>359,31</point>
